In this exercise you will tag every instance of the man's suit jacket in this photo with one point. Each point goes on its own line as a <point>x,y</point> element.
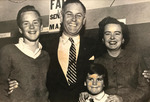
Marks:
<point>58,87</point>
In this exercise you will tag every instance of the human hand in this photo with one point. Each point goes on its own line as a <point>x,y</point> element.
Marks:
<point>83,96</point>
<point>114,98</point>
<point>13,84</point>
<point>146,75</point>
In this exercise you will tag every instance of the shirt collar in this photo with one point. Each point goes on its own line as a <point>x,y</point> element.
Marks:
<point>64,38</point>
<point>25,46</point>
<point>100,96</point>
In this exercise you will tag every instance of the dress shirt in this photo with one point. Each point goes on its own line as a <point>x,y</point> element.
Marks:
<point>101,97</point>
<point>25,49</point>
<point>63,51</point>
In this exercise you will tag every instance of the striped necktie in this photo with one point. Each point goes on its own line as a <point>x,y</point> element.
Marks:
<point>72,73</point>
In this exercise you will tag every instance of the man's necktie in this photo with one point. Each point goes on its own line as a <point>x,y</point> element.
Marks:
<point>72,73</point>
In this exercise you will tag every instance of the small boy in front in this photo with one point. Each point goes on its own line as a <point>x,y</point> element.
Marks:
<point>96,82</point>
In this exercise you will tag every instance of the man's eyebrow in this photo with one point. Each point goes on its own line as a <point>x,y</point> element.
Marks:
<point>36,19</point>
<point>106,31</point>
<point>68,12</point>
<point>25,21</point>
<point>79,14</point>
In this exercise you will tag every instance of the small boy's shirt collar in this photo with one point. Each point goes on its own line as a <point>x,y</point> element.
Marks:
<point>97,97</point>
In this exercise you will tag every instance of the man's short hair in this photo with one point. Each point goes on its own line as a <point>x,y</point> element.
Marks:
<point>25,9</point>
<point>73,1</point>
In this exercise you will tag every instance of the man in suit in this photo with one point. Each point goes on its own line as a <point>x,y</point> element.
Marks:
<point>58,81</point>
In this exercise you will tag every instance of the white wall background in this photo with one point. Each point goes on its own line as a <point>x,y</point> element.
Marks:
<point>134,11</point>
<point>8,10</point>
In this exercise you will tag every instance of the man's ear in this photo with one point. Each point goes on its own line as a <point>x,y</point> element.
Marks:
<point>20,30</point>
<point>61,16</point>
<point>41,27</point>
<point>84,20</point>
<point>84,83</point>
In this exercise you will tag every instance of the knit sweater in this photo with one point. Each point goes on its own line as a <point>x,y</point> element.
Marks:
<point>30,74</point>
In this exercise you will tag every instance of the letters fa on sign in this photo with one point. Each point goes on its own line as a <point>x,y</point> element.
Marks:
<point>54,15</point>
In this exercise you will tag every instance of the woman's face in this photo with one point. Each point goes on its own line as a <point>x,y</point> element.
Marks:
<point>113,37</point>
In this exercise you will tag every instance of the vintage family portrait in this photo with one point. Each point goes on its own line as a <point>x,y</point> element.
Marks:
<point>75,51</point>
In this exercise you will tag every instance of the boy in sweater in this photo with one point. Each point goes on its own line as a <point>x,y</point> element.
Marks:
<point>25,61</point>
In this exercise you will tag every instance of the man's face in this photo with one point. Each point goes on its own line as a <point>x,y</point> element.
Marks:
<point>30,25</point>
<point>73,19</point>
<point>113,37</point>
<point>94,83</point>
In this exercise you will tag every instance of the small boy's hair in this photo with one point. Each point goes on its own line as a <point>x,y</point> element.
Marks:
<point>100,70</point>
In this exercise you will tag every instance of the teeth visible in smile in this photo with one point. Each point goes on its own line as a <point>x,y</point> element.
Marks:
<point>112,42</point>
<point>32,32</point>
<point>73,25</point>
<point>94,87</point>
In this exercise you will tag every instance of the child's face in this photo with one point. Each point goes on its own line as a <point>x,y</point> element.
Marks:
<point>94,83</point>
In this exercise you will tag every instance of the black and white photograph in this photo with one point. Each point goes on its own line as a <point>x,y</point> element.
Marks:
<point>74,50</point>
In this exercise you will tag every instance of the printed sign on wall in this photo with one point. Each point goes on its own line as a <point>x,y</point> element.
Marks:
<point>54,15</point>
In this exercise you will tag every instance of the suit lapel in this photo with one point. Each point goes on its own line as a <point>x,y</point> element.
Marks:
<point>82,50</point>
<point>60,73</point>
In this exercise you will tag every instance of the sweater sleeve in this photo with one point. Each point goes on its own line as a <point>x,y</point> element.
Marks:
<point>142,91</point>
<point>5,65</point>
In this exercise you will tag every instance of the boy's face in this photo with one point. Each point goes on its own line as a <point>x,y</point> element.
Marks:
<point>94,83</point>
<point>30,25</point>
